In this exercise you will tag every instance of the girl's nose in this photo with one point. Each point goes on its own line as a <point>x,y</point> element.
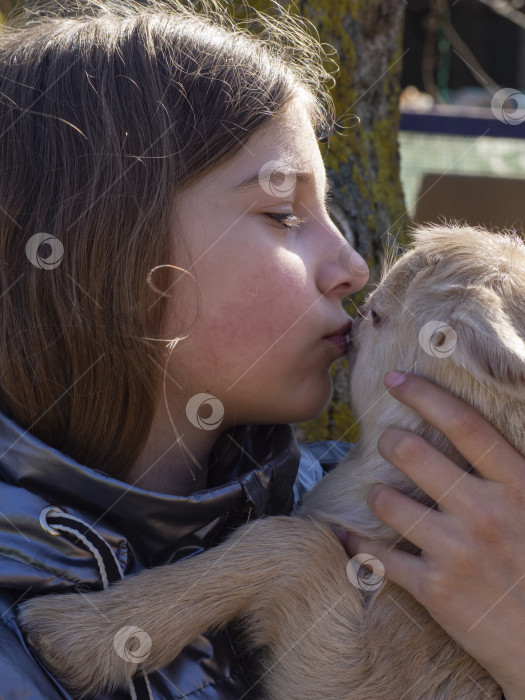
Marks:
<point>356,266</point>
<point>343,273</point>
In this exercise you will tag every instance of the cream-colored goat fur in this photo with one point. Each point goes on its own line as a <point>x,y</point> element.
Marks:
<point>285,577</point>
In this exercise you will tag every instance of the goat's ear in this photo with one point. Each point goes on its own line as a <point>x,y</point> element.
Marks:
<point>482,337</point>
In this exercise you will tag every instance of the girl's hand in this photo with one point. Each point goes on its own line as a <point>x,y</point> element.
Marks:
<point>471,573</point>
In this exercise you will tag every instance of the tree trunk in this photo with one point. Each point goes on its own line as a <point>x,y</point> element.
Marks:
<point>363,158</point>
<point>6,6</point>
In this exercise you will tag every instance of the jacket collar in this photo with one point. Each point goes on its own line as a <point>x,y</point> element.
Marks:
<point>252,469</point>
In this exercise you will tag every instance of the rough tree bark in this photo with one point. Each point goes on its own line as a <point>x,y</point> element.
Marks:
<point>363,159</point>
<point>5,7</point>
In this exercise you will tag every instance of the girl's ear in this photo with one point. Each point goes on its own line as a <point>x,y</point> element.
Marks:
<point>480,335</point>
<point>488,341</point>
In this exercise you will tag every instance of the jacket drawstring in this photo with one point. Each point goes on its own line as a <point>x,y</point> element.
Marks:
<point>55,520</point>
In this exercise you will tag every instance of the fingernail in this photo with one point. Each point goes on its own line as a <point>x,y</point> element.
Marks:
<point>393,379</point>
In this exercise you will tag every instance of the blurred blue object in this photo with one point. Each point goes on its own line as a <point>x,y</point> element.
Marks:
<point>317,458</point>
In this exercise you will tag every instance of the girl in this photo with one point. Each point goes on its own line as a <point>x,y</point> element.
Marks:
<point>171,290</point>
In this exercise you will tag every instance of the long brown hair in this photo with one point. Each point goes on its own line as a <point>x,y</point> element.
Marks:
<point>107,111</point>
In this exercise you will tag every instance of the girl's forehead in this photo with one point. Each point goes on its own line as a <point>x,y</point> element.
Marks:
<point>285,146</point>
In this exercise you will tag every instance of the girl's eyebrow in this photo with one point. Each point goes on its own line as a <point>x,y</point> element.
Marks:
<point>301,176</point>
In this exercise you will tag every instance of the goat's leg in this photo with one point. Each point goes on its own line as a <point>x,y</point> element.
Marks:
<point>79,635</point>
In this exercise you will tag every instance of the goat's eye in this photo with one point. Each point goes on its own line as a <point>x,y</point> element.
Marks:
<point>375,318</point>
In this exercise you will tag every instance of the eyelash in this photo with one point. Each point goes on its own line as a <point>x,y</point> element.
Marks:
<point>287,220</point>
<point>293,220</point>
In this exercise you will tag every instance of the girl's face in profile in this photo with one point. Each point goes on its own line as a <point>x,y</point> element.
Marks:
<point>269,293</point>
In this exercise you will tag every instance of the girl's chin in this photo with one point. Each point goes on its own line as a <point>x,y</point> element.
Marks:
<point>295,405</point>
<point>310,409</point>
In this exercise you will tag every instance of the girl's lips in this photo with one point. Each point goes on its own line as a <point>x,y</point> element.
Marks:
<point>342,341</point>
<point>340,338</point>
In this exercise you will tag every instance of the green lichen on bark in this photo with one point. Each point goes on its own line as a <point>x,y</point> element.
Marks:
<point>362,157</point>
<point>362,160</point>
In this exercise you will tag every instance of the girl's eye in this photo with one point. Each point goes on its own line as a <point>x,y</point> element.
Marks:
<point>287,220</point>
